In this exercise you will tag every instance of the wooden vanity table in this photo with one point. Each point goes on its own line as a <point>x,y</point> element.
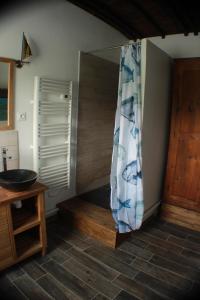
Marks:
<point>22,230</point>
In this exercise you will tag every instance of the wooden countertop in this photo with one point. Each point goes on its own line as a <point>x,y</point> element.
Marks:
<point>7,196</point>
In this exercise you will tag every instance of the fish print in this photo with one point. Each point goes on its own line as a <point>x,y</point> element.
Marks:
<point>116,137</point>
<point>134,132</point>
<point>123,204</point>
<point>121,152</point>
<point>122,223</point>
<point>130,173</point>
<point>127,109</point>
<point>136,56</point>
<point>127,74</point>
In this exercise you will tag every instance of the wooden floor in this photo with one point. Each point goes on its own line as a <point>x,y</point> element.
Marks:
<point>161,261</point>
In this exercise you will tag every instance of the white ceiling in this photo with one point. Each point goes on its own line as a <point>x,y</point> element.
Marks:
<point>178,45</point>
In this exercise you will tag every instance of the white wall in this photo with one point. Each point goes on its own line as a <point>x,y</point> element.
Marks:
<point>57,31</point>
<point>157,66</point>
<point>178,45</point>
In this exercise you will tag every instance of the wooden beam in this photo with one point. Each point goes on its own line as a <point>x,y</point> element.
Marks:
<point>105,13</point>
<point>172,12</point>
<point>178,12</point>
<point>192,21</point>
<point>188,19</point>
<point>181,15</point>
<point>149,18</point>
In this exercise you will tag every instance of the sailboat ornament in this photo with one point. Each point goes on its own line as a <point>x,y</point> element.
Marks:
<point>25,53</point>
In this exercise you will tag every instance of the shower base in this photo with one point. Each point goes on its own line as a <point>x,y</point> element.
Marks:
<point>99,197</point>
<point>90,213</point>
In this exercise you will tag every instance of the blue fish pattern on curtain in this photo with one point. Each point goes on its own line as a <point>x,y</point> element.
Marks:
<point>126,170</point>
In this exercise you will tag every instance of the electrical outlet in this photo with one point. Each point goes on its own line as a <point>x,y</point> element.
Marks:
<point>21,116</point>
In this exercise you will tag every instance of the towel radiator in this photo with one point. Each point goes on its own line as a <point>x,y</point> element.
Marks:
<point>52,131</point>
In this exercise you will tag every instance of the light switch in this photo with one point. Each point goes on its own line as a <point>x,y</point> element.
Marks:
<point>12,152</point>
<point>21,116</point>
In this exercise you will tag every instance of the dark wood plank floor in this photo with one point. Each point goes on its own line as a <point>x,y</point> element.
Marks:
<point>160,261</point>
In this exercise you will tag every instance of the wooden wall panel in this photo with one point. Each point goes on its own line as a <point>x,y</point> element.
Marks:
<point>98,88</point>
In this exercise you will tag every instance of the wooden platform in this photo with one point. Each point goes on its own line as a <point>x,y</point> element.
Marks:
<point>92,220</point>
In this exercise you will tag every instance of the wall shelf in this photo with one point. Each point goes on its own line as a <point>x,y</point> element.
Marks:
<point>27,242</point>
<point>25,217</point>
<point>30,223</point>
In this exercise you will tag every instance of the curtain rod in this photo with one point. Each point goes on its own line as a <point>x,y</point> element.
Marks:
<point>110,48</point>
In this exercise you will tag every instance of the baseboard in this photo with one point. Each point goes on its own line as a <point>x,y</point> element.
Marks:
<point>180,216</point>
<point>51,213</point>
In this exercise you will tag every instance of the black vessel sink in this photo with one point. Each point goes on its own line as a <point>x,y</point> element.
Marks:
<point>17,179</point>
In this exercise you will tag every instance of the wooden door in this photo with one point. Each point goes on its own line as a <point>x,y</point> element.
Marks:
<point>182,185</point>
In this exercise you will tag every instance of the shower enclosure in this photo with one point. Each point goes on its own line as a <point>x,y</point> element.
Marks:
<point>98,87</point>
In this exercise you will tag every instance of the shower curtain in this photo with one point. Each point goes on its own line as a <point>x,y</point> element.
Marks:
<point>126,170</point>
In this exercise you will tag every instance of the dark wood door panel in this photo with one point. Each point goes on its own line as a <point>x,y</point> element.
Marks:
<point>187,171</point>
<point>182,184</point>
<point>189,94</point>
<point>185,182</point>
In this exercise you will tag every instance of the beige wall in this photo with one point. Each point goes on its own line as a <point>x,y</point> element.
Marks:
<point>179,45</point>
<point>155,121</point>
<point>97,104</point>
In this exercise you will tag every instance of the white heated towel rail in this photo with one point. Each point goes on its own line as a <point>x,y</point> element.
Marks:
<point>52,131</point>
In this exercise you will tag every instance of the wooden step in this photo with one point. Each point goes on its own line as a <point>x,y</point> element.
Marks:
<point>91,219</point>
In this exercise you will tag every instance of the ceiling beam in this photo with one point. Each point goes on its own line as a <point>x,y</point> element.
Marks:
<point>170,4</point>
<point>179,16</point>
<point>148,17</point>
<point>191,20</point>
<point>103,12</point>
